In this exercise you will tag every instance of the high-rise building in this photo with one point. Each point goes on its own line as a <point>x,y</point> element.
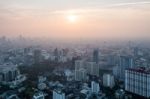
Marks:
<point>8,73</point>
<point>136,51</point>
<point>80,75</point>
<point>96,55</point>
<point>56,52</point>
<point>58,94</point>
<point>137,81</point>
<point>108,80</point>
<point>95,87</point>
<point>124,63</point>
<point>112,59</point>
<point>26,50</point>
<point>92,68</point>
<point>79,64</point>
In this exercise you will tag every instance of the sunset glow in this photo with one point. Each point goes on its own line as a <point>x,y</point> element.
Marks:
<point>96,19</point>
<point>72,18</point>
<point>74,49</point>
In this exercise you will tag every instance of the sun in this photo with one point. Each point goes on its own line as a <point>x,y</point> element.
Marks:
<point>72,18</point>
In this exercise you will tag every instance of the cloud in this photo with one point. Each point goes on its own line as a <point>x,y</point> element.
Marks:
<point>102,8</point>
<point>29,12</point>
<point>128,4</point>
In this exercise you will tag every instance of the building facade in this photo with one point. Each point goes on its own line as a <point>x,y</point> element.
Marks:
<point>57,94</point>
<point>108,80</point>
<point>79,64</point>
<point>80,75</point>
<point>92,68</point>
<point>8,73</point>
<point>137,81</point>
<point>125,62</point>
<point>95,87</point>
<point>96,55</point>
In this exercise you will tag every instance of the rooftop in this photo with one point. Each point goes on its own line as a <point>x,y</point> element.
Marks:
<point>7,67</point>
<point>140,70</point>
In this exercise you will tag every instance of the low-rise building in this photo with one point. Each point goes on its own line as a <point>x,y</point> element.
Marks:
<point>39,95</point>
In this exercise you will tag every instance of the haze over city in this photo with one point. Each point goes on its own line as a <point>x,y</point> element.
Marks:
<point>74,49</point>
<point>111,19</point>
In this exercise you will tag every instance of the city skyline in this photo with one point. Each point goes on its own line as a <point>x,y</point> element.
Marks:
<point>74,49</point>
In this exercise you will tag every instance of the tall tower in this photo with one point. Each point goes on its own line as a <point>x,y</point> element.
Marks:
<point>125,62</point>
<point>96,55</point>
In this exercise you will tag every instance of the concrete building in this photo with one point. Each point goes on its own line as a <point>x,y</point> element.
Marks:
<point>80,75</point>
<point>58,94</point>
<point>96,55</point>
<point>137,81</point>
<point>8,73</point>
<point>108,80</point>
<point>95,87</point>
<point>92,68</point>
<point>79,64</point>
<point>124,63</point>
<point>116,71</point>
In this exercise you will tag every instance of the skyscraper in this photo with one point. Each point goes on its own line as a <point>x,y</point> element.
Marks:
<point>124,63</point>
<point>96,55</point>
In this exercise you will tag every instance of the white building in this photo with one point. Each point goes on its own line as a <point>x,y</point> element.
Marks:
<point>108,80</point>
<point>80,75</point>
<point>95,87</point>
<point>57,94</point>
<point>69,75</point>
<point>137,81</point>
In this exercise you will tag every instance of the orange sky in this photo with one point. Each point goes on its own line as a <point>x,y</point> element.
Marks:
<point>112,20</point>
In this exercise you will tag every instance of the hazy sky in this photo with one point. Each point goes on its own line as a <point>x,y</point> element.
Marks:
<point>75,18</point>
